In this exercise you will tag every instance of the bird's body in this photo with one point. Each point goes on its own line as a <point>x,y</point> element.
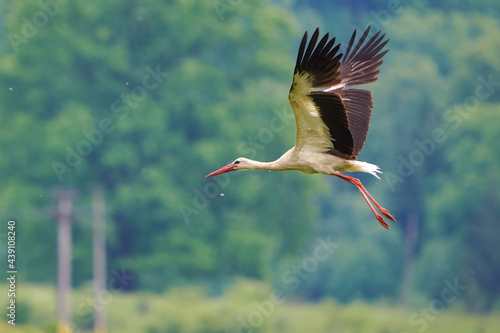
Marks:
<point>332,122</point>
<point>310,162</point>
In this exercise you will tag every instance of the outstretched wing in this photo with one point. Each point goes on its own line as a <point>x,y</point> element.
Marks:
<point>330,118</point>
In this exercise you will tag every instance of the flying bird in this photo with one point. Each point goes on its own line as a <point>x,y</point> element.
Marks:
<point>332,121</point>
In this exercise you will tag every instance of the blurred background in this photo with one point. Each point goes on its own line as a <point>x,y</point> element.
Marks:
<point>143,99</point>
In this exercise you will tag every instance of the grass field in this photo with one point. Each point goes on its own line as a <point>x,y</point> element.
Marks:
<point>246,307</point>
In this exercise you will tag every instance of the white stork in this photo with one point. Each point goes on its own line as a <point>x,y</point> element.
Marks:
<point>332,122</point>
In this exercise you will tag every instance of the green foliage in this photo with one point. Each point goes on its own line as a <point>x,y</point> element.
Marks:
<point>133,104</point>
<point>147,98</point>
<point>475,145</point>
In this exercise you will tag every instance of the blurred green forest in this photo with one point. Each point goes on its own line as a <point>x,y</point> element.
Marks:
<point>146,98</point>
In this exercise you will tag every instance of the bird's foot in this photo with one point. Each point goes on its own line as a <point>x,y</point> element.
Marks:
<point>386,213</point>
<point>380,220</point>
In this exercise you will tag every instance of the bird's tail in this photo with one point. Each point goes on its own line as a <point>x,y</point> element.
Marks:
<point>365,167</point>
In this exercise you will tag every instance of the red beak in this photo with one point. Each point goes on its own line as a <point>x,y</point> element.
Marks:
<point>227,168</point>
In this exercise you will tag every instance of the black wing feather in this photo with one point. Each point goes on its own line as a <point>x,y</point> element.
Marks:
<point>301,48</point>
<point>361,65</point>
<point>320,61</point>
<point>333,113</point>
<point>359,104</point>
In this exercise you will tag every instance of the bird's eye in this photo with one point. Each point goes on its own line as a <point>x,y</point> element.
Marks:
<point>237,162</point>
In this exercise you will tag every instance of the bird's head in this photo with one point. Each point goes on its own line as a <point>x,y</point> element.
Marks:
<point>241,163</point>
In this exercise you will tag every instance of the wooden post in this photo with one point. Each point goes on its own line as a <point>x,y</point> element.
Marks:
<point>64,209</point>
<point>99,248</point>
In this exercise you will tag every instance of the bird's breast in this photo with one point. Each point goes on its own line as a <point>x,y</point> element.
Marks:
<point>317,161</point>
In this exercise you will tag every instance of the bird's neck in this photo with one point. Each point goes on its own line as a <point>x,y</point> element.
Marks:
<point>271,166</point>
<point>281,164</point>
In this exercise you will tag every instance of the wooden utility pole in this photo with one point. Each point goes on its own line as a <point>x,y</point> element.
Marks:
<point>64,209</point>
<point>99,248</point>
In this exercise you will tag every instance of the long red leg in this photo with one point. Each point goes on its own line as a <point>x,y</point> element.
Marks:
<point>356,182</point>
<point>379,218</point>
<point>384,211</point>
